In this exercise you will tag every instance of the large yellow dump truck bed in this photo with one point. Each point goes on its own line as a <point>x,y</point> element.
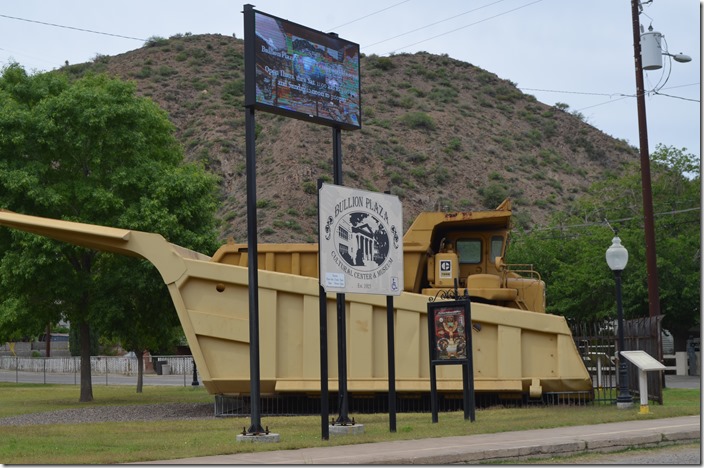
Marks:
<point>514,351</point>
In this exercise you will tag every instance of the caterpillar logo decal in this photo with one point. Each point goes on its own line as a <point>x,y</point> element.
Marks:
<point>445,268</point>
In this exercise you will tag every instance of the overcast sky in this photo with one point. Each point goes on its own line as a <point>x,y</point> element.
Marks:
<point>575,52</point>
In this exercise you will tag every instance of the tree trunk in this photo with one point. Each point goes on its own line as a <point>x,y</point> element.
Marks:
<point>47,339</point>
<point>86,381</point>
<point>140,370</point>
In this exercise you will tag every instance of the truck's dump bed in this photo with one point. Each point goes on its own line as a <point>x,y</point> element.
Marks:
<point>514,351</point>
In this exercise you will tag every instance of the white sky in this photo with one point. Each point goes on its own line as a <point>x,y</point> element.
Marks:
<point>583,49</point>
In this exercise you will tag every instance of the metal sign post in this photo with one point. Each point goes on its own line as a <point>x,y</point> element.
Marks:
<point>324,392</point>
<point>450,342</point>
<point>360,252</point>
<point>392,361</point>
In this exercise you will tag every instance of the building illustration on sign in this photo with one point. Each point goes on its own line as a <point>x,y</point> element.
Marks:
<point>363,243</point>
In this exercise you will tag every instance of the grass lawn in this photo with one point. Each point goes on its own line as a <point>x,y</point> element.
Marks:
<point>107,443</point>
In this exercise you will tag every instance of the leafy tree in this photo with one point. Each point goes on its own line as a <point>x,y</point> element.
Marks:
<point>92,151</point>
<point>570,252</point>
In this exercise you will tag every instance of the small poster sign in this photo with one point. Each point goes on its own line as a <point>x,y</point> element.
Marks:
<point>449,331</point>
<point>450,342</point>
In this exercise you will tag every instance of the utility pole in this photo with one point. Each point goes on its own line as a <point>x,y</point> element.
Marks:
<point>648,216</point>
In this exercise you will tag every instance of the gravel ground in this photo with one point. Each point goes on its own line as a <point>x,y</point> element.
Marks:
<point>115,414</point>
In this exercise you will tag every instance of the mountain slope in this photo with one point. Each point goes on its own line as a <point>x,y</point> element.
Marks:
<point>437,132</point>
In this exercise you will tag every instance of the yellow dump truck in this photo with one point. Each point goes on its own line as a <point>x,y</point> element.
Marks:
<point>518,349</point>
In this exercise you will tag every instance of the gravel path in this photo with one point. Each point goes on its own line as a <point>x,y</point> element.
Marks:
<point>115,414</point>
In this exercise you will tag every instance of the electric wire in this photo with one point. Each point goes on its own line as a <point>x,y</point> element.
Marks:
<point>585,93</point>
<point>433,24</point>
<point>370,14</point>
<point>600,223</point>
<point>72,27</point>
<point>465,26</point>
<point>656,89</point>
<point>621,96</point>
<point>676,97</point>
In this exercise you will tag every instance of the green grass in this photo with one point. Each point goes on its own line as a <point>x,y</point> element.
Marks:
<point>102,443</point>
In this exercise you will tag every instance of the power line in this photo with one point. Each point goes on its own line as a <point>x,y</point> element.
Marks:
<point>573,92</point>
<point>600,223</point>
<point>466,26</point>
<point>74,28</point>
<point>432,24</point>
<point>587,93</point>
<point>624,96</point>
<point>676,97</point>
<point>621,95</point>
<point>370,14</point>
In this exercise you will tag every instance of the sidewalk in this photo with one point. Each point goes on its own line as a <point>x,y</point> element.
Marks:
<point>478,448</point>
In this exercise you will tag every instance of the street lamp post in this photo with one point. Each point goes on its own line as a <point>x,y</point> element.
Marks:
<point>617,259</point>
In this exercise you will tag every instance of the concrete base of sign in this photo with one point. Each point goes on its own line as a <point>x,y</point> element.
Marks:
<point>624,405</point>
<point>344,430</point>
<point>265,438</point>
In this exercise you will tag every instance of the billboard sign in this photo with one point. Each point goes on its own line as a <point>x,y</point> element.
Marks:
<point>361,248</point>
<point>300,72</point>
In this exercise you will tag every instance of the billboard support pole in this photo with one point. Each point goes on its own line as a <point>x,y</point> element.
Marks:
<point>343,419</point>
<point>253,276</point>
<point>391,353</point>
<point>255,427</point>
<point>323,306</point>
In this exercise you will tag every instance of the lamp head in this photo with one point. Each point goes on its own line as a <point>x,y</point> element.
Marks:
<point>682,58</point>
<point>616,255</point>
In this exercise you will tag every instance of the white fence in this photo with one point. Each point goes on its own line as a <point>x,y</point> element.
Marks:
<point>178,365</point>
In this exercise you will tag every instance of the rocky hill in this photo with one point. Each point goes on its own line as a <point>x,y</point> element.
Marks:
<point>440,133</point>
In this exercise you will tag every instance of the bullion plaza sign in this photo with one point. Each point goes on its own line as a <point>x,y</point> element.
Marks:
<point>361,249</point>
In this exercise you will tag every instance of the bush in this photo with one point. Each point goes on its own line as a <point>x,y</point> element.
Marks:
<point>493,194</point>
<point>156,41</point>
<point>454,145</point>
<point>418,120</point>
<point>441,175</point>
<point>234,88</point>
<point>380,63</point>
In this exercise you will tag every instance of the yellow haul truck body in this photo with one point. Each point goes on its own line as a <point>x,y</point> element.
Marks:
<point>518,349</point>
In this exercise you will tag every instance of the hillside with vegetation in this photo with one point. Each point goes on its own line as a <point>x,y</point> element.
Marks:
<point>440,133</point>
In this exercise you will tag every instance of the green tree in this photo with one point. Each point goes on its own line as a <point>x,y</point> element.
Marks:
<point>569,253</point>
<point>92,151</point>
